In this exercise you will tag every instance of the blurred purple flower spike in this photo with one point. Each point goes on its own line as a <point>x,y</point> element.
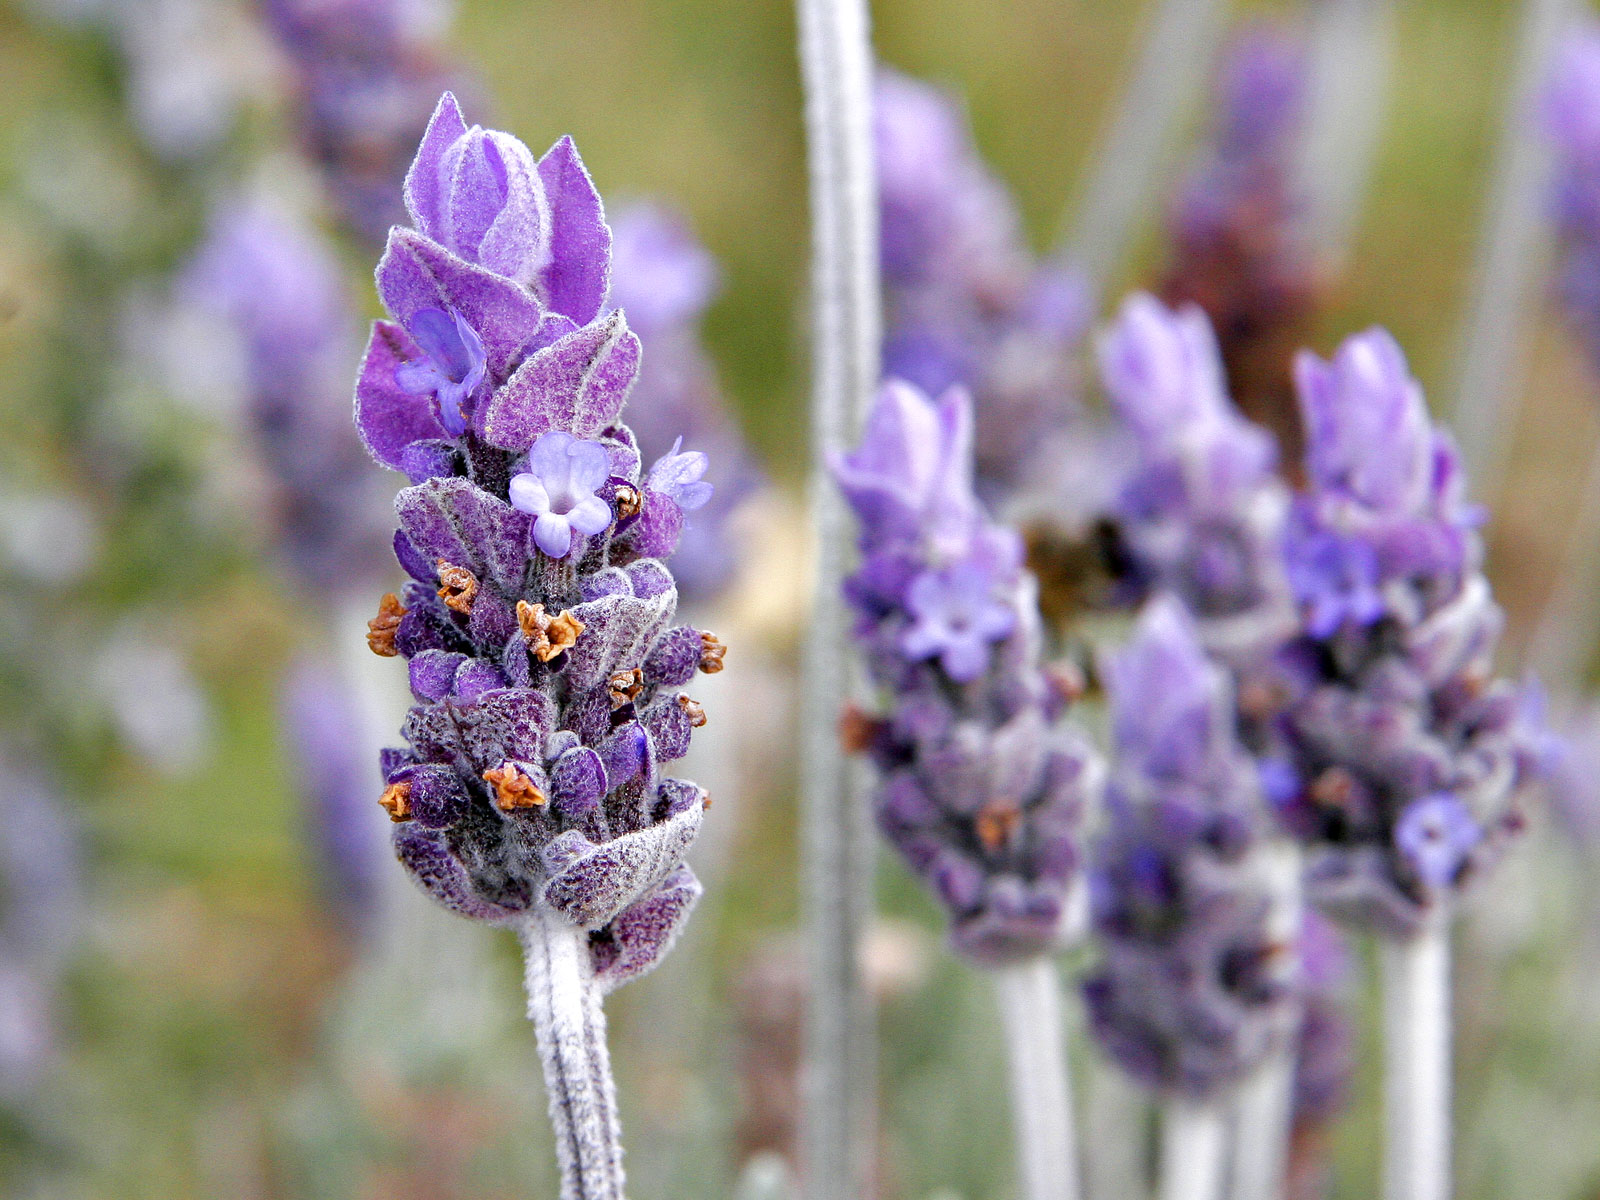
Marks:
<point>1194,992</point>
<point>1407,753</point>
<point>982,784</point>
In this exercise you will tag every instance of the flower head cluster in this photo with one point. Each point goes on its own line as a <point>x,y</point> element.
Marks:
<point>965,301</point>
<point>1201,511</point>
<point>270,275</point>
<point>1404,752</point>
<point>981,784</point>
<point>1572,124</point>
<point>538,623</point>
<point>664,279</point>
<point>1197,986</point>
<point>1237,250</point>
<point>366,72</point>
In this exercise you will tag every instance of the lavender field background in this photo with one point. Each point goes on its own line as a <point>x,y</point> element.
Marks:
<point>199,1001</point>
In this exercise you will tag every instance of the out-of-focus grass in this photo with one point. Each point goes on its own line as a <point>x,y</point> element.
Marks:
<point>197,1062</point>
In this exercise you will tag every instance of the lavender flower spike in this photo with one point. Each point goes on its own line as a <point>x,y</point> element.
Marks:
<point>1404,755</point>
<point>538,627</point>
<point>1195,991</point>
<point>982,784</point>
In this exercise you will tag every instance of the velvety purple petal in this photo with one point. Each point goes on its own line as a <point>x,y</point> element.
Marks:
<point>643,933</point>
<point>426,855</point>
<point>424,192</point>
<point>388,416</point>
<point>578,274</point>
<point>578,385</point>
<point>426,517</point>
<point>590,516</point>
<point>552,534</point>
<point>416,273</point>
<point>515,242</point>
<point>598,886</point>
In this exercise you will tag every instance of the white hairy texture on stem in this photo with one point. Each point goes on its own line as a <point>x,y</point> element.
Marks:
<point>1351,48</point>
<point>837,1112</point>
<point>1262,1108</point>
<point>1193,1147</point>
<point>1041,1097</point>
<point>1562,642</point>
<point>564,1006</point>
<point>1416,1066</point>
<point>1173,65</point>
<point>1512,252</point>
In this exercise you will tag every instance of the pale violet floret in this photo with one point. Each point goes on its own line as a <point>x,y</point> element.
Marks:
<point>452,367</point>
<point>558,489</point>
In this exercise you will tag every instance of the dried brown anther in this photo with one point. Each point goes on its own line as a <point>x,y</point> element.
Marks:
<point>381,629</point>
<point>858,729</point>
<point>457,587</point>
<point>697,715</point>
<point>705,801</point>
<point>995,822</point>
<point>547,636</point>
<point>624,686</point>
<point>396,801</point>
<point>1068,680</point>
<point>513,789</point>
<point>629,502</point>
<point>712,652</point>
<point>1334,788</point>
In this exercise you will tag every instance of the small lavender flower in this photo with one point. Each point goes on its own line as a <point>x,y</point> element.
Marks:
<point>664,279</point>
<point>965,301</point>
<point>366,72</point>
<point>538,627</point>
<point>1404,753</point>
<point>1196,989</point>
<point>981,783</point>
<point>1201,512</point>
<point>1237,248</point>
<point>1571,101</point>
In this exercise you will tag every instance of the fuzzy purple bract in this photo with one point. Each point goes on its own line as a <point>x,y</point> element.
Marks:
<point>1403,754</point>
<point>1196,988</point>
<point>981,784</point>
<point>538,626</point>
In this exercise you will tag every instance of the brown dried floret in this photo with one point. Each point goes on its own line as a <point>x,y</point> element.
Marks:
<point>381,629</point>
<point>457,587</point>
<point>396,801</point>
<point>858,729</point>
<point>624,686</point>
<point>547,636</point>
<point>513,789</point>
<point>995,822</point>
<point>697,715</point>
<point>711,652</point>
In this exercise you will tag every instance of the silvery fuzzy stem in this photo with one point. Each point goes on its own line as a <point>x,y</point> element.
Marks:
<point>837,1126</point>
<point>1193,1149</point>
<point>1351,52</point>
<point>1510,257</point>
<point>1416,1054</point>
<point>564,1006</point>
<point>1172,67</point>
<point>1262,1107</point>
<point>1041,1096</point>
<point>1561,644</point>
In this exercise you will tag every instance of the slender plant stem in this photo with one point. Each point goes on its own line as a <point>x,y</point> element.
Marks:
<point>1041,1096</point>
<point>1416,1066</point>
<point>1193,1148</point>
<point>1171,68</point>
<point>838,1130</point>
<point>1511,254</point>
<point>1563,640</point>
<point>564,1006</point>
<point>1262,1106</point>
<point>1351,52</point>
